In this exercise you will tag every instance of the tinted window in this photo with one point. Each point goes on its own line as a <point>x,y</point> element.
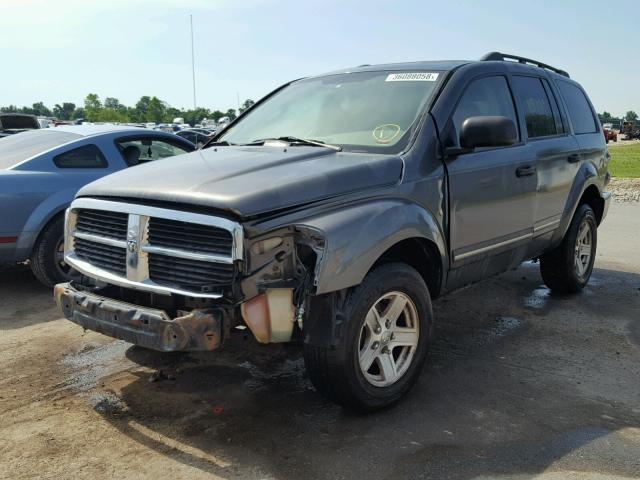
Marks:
<point>87,156</point>
<point>21,146</point>
<point>487,96</point>
<point>579,109</point>
<point>560,128</point>
<point>536,107</point>
<point>135,151</point>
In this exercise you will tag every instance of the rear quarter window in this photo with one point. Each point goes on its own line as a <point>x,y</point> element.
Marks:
<point>579,109</point>
<point>87,156</point>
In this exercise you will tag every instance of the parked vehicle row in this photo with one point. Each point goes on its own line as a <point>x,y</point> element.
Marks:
<point>42,170</point>
<point>337,229</point>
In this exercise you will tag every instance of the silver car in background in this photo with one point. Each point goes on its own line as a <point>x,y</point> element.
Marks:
<point>40,173</point>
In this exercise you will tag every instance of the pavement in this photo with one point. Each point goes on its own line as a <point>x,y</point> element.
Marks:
<point>519,383</point>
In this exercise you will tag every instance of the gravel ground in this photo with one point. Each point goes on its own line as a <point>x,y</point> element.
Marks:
<point>625,189</point>
<point>520,384</point>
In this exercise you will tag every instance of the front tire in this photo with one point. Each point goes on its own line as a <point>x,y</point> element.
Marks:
<point>382,349</point>
<point>568,267</point>
<point>47,257</point>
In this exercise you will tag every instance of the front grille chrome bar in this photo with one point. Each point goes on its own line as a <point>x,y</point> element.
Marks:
<point>138,247</point>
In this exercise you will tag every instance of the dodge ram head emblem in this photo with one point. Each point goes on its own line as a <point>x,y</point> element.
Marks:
<point>132,246</point>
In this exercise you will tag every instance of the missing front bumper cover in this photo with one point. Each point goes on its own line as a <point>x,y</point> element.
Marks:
<point>197,330</point>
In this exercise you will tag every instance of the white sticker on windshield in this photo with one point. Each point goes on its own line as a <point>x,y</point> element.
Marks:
<point>412,77</point>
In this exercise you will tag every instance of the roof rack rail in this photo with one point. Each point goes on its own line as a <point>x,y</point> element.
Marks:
<point>502,57</point>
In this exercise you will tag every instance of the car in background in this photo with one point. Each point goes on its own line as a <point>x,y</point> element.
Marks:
<point>11,123</point>
<point>197,136</point>
<point>40,173</point>
<point>609,133</point>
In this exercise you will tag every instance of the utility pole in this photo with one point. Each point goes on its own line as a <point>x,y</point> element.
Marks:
<point>193,63</point>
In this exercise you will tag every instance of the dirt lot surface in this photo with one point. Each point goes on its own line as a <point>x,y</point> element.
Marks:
<point>519,384</point>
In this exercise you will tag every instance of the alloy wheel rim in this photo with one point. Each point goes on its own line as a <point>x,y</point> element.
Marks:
<point>583,249</point>
<point>388,339</point>
<point>62,266</point>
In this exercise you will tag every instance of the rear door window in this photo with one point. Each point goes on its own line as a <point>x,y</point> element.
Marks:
<point>579,110</point>
<point>536,106</point>
<point>487,96</point>
<point>86,156</point>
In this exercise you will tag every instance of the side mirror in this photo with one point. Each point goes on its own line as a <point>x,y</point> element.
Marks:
<point>488,131</point>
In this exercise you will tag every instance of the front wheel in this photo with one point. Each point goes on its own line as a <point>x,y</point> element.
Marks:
<point>47,259</point>
<point>383,347</point>
<point>568,267</point>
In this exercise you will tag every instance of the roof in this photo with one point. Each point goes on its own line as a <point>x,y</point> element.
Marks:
<point>87,130</point>
<point>439,65</point>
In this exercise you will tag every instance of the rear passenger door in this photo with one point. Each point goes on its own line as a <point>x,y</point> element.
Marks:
<point>556,152</point>
<point>586,127</point>
<point>491,190</point>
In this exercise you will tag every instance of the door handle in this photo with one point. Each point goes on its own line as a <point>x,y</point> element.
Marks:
<point>525,171</point>
<point>573,158</point>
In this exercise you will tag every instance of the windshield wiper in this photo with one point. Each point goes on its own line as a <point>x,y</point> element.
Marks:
<point>222,143</point>
<point>304,141</point>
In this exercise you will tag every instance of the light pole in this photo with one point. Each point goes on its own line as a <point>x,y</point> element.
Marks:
<point>193,63</point>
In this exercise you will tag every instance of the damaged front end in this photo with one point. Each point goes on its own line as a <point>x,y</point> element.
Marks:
<point>168,296</point>
<point>281,271</point>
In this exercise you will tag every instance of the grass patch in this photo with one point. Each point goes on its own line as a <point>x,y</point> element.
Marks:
<point>625,161</point>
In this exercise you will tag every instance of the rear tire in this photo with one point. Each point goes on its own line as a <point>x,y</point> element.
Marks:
<point>383,346</point>
<point>568,267</point>
<point>47,262</point>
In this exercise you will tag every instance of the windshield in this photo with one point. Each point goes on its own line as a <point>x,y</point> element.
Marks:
<point>365,111</point>
<point>20,146</point>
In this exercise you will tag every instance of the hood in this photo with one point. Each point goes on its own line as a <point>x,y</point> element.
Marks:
<point>250,181</point>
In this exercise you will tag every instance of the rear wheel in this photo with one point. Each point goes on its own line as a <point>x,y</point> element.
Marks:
<point>47,258</point>
<point>567,268</point>
<point>380,354</point>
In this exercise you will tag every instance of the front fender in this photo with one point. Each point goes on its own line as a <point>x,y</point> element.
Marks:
<point>357,235</point>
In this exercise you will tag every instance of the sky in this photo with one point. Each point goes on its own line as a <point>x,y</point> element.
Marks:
<point>55,51</point>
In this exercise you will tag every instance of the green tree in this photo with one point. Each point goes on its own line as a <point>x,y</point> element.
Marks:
<point>248,103</point>
<point>64,111</point>
<point>9,109</point>
<point>40,109</point>
<point>113,104</point>
<point>78,113</point>
<point>92,106</point>
<point>92,102</point>
<point>195,116</point>
<point>231,113</point>
<point>605,117</point>
<point>217,115</point>
<point>631,116</point>
<point>109,115</point>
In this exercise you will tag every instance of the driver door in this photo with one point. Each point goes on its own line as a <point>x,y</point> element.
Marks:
<point>492,191</point>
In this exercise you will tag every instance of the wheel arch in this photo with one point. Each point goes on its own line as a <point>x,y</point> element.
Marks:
<point>423,255</point>
<point>366,234</point>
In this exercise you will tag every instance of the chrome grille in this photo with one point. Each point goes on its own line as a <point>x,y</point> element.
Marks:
<point>107,257</point>
<point>189,236</point>
<point>150,248</point>
<point>100,222</point>
<point>189,274</point>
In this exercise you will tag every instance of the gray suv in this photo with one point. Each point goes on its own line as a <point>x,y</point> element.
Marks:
<point>334,210</point>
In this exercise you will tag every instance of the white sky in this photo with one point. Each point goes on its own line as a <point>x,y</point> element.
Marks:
<point>60,50</point>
